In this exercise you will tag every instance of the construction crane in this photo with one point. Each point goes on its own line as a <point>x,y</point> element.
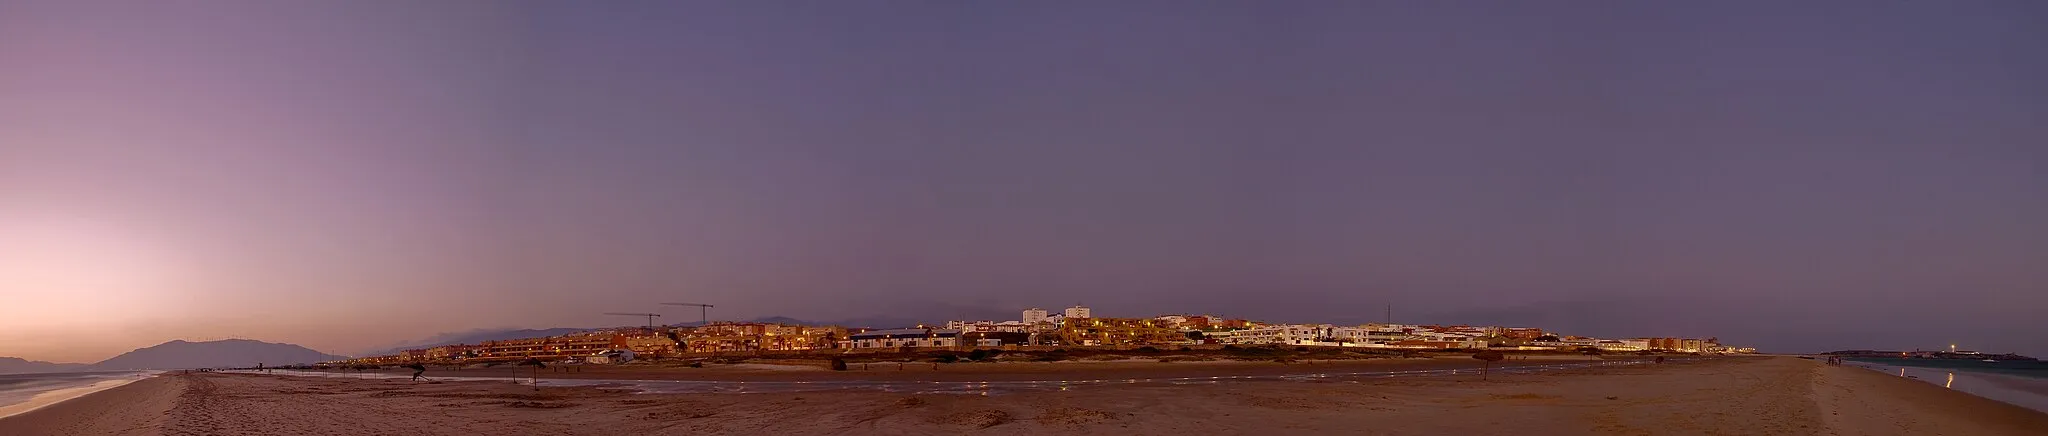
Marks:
<point>703,311</point>
<point>650,317</point>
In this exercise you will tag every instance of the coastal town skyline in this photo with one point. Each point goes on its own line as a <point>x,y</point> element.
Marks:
<point>1075,327</point>
<point>1219,328</point>
<point>1055,217</point>
<point>346,175</point>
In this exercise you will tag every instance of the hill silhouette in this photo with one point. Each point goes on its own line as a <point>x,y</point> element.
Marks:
<point>214,354</point>
<point>16,365</point>
<point>476,336</point>
<point>473,337</point>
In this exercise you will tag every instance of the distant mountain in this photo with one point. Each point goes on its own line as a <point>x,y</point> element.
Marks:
<point>878,322</point>
<point>780,320</point>
<point>476,336</point>
<point>16,365</point>
<point>214,354</point>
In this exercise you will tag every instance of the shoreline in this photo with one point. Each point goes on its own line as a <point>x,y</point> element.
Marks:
<point>134,408</point>
<point>54,396</point>
<point>2030,393</point>
<point>1741,396</point>
<point>47,398</point>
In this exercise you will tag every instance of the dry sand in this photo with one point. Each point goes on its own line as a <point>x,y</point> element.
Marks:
<point>1735,396</point>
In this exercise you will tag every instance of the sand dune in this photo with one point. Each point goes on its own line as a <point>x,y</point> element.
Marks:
<point>1737,396</point>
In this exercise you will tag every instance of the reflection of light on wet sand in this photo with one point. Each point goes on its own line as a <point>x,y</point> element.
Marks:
<point>2009,389</point>
<point>55,396</point>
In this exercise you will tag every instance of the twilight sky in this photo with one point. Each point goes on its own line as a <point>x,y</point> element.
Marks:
<point>348,175</point>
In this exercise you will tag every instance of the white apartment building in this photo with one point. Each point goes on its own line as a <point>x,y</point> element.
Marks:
<point>1034,315</point>
<point>1077,312</point>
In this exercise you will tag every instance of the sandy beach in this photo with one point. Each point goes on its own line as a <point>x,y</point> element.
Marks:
<point>1730,396</point>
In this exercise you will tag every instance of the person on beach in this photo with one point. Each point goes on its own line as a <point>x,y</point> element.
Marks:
<point>417,370</point>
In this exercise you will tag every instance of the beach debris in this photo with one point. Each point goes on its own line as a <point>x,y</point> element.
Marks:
<point>984,418</point>
<point>910,402</point>
<point>1074,416</point>
<point>1613,398</point>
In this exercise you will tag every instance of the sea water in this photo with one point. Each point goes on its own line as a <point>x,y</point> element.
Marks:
<point>2021,383</point>
<point>20,393</point>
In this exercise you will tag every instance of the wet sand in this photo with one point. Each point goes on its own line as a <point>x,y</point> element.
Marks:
<point>2025,392</point>
<point>43,399</point>
<point>133,409</point>
<point>1732,396</point>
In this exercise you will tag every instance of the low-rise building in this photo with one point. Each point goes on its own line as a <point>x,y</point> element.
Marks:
<point>1117,332</point>
<point>708,343</point>
<point>731,337</point>
<point>798,337</point>
<point>1054,320</point>
<point>652,345</point>
<point>1231,324</point>
<point>989,326</point>
<point>1433,344</point>
<point>1628,345</point>
<point>994,339</point>
<point>584,344</point>
<point>449,353</point>
<point>512,349</point>
<point>897,338</point>
<point>1521,333</point>
<point>1171,321</point>
<point>1278,334</point>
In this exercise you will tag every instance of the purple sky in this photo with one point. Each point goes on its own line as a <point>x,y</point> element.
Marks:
<point>349,175</point>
